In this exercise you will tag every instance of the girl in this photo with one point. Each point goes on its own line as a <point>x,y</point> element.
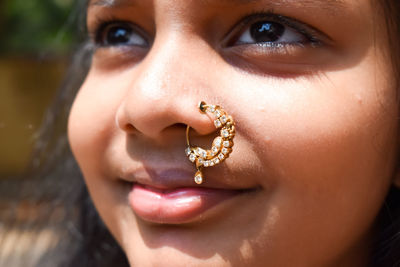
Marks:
<point>312,88</point>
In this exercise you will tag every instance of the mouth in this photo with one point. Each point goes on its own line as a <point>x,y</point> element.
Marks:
<point>179,203</point>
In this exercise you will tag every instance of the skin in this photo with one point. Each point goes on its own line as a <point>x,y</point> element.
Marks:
<point>316,131</point>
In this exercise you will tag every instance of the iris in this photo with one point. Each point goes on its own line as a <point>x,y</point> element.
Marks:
<point>266,31</point>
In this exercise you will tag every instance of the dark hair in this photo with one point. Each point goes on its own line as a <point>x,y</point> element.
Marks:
<point>87,240</point>
<point>386,246</point>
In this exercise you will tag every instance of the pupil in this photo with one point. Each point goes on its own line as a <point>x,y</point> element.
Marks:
<point>118,35</point>
<point>266,31</point>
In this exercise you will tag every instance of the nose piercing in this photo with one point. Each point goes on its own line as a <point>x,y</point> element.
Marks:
<point>221,146</point>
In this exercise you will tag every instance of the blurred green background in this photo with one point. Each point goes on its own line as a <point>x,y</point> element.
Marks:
<point>36,39</point>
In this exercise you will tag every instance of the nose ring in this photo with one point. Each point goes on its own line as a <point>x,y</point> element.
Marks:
<point>221,147</point>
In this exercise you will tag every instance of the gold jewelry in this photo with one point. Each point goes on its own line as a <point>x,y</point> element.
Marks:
<point>221,146</point>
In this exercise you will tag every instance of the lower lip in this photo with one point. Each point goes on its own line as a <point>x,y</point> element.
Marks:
<point>178,206</point>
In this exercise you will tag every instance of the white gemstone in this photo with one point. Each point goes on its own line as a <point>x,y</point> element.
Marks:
<point>225,151</point>
<point>206,163</point>
<point>188,151</point>
<point>214,150</point>
<point>201,152</point>
<point>221,156</point>
<point>198,151</point>
<point>201,161</point>
<point>216,161</point>
<point>218,141</point>
<point>227,144</point>
<point>211,163</point>
<point>225,133</point>
<point>218,113</point>
<point>212,109</point>
<point>217,123</point>
<point>198,179</point>
<point>223,119</point>
<point>192,157</point>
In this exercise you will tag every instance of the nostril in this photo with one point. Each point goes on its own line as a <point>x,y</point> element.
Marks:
<point>129,128</point>
<point>180,125</point>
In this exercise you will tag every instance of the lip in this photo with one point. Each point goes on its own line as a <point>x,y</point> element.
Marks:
<point>170,178</point>
<point>175,206</point>
<point>170,196</point>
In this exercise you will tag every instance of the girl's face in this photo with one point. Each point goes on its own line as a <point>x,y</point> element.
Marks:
<point>314,103</point>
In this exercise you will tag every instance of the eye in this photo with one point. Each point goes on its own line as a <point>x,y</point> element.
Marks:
<point>270,33</point>
<point>120,34</point>
<point>273,30</point>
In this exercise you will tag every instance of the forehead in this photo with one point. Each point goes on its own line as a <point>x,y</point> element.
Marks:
<point>193,10</point>
<point>329,4</point>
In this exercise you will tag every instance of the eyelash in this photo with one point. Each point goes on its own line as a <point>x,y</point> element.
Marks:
<point>101,24</point>
<point>310,33</point>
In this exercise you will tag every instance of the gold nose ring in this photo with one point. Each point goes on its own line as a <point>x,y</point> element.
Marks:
<point>221,146</point>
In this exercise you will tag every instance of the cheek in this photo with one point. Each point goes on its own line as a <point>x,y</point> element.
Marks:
<point>328,146</point>
<point>329,125</point>
<point>92,120</point>
<point>92,123</point>
<point>91,130</point>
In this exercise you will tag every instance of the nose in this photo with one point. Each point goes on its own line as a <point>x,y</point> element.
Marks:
<point>165,91</point>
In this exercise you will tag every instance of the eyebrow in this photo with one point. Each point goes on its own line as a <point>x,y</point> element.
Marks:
<point>332,6</point>
<point>114,3</point>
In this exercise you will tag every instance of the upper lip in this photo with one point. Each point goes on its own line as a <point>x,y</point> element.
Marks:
<point>171,178</point>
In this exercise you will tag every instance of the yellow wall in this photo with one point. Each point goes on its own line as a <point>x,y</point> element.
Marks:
<point>26,88</point>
